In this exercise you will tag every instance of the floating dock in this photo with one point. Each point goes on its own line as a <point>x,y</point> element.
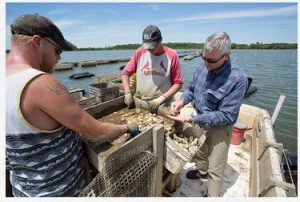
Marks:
<point>101,61</point>
<point>63,66</point>
<point>89,63</point>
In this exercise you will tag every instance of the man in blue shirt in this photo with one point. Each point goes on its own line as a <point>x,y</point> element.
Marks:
<point>217,88</point>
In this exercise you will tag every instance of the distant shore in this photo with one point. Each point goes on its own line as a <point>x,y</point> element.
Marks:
<point>200,46</point>
<point>263,46</point>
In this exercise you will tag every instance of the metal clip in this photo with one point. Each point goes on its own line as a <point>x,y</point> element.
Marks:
<point>272,182</point>
<point>278,146</point>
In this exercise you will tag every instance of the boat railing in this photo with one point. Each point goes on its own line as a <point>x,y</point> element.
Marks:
<point>266,178</point>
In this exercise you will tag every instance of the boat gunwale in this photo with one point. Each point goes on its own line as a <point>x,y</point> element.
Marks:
<point>261,181</point>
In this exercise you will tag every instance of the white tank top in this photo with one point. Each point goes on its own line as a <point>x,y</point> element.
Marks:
<point>15,85</point>
<point>41,163</point>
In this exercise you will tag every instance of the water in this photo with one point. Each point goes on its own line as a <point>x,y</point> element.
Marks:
<point>63,76</point>
<point>274,72</point>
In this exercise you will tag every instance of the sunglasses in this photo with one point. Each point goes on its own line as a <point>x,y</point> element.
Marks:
<point>58,50</point>
<point>210,60</point>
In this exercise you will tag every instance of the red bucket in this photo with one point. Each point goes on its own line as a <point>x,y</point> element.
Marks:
<point>237,136</point>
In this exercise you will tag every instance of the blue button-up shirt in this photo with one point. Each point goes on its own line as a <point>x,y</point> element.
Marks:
<point>217,96</point>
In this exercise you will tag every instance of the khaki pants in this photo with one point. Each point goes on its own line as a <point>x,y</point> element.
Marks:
<point>212,157</point>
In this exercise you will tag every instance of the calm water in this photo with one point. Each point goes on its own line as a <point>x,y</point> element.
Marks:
<point>274,72</point>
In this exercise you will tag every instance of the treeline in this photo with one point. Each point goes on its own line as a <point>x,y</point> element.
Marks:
<point>200,46</point>
<point>117,47</point>
<point>265,46</point>
<point>177,46</point>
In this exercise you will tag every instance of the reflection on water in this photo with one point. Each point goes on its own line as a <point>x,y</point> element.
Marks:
<point>274,72</point>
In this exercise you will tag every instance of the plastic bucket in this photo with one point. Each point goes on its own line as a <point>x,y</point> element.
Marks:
<point>175,157</point>
<point>237,136</point>
<point>238,131</point>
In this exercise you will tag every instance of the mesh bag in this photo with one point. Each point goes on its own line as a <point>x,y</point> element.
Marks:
<point>126,174</point>
<point>108,77</point>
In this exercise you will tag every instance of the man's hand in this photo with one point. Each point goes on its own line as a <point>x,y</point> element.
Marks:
<point>129,100</point>
<point>133,129</point>
<point>181,118</point>
<point>154,104</point>
<point>176,106</point>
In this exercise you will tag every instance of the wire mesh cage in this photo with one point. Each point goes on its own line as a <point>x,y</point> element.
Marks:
<point>127,174</point>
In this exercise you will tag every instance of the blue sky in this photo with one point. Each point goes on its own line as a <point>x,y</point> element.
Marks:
<point>108,24</point>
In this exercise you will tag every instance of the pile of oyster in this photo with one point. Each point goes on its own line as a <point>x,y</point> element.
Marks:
<point>146,120</point>
<point>189,144</point>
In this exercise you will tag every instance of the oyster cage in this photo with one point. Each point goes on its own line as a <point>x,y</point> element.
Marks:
<point>127,174</point>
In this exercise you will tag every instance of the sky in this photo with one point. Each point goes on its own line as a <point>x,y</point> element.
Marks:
<point>107,24</point>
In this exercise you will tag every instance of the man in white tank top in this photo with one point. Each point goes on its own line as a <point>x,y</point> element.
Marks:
<point>43,152</point>
<point>157,68</point>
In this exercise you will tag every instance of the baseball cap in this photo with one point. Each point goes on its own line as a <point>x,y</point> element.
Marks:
<point>35,24</point>
<point>151,36</point>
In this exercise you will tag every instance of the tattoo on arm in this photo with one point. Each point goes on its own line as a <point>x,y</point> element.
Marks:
<point>57,87</point>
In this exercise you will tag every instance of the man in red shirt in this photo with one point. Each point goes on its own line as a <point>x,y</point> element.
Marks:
<point>158,72</point>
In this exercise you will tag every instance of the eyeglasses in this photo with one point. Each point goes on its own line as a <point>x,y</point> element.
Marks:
<point>58,50</point>
<point>210,60</point>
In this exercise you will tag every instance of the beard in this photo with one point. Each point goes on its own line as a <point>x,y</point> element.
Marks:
<point>48,64</point>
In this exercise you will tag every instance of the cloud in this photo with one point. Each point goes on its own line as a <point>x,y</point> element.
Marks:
<point>10,7</point>
<point>55,12</point>
<point>119,29</point>
<point>68,23</point>
<point>111,11</point>
<point>153,7</point>
<point>289,10</point>
<point>121,32</point>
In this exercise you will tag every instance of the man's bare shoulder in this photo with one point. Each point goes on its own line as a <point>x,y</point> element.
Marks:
<point>47,84</point>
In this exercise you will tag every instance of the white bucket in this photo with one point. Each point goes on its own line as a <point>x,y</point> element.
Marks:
<point>175,157</point>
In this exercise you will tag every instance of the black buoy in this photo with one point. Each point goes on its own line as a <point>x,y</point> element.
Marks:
<point>81,75</point>
<point>122,67</point>
<point>250,89</point>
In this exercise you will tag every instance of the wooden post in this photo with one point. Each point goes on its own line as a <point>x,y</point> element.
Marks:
<point>277,109</point>
<point>158,148</point>
<point>171,184</point>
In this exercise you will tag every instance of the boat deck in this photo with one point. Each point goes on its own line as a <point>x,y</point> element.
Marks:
<point>253,167</point>
<point>236,179</point>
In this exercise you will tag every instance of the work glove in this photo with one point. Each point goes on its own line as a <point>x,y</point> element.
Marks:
<point>129,100</point>
<point>133,129</point>
<point>154,104</point>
